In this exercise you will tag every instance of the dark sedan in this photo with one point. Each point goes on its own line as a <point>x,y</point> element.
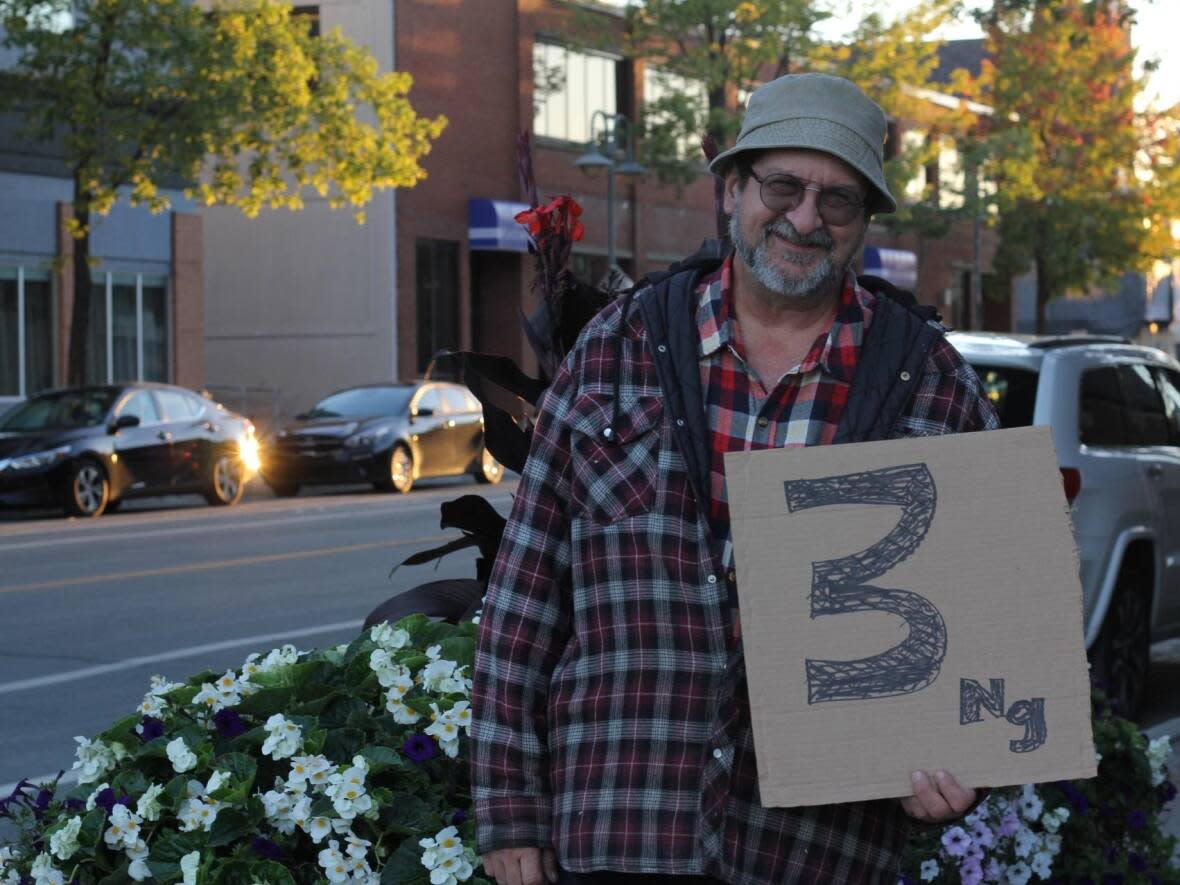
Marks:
<point>89,449</point>
<point>388,435</point>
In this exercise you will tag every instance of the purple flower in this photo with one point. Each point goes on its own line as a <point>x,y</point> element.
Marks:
<point>1075,796</point>
<point>106,800</point>
<point>458,818</point>
<point>229,724</point>
<point>150,729</point>
<point>982,835</point>
<point>1009,824</point>
<point>263,847</point>
<point>1138,864</point>
<point>1136,820</point>
<point>1112,879</point>
<point>971,873</point>
<point>956,841</point>
<point>75,805</point>
<point>419,748</point>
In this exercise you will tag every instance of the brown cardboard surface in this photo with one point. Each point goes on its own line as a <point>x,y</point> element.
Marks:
<point>996,561</point>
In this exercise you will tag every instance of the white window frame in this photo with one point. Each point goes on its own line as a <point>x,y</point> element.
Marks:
<point>109,296</point>
<point>571,129</point>
<point>22,333</point>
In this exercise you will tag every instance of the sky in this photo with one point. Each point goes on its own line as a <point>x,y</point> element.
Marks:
<point>1157,23</point>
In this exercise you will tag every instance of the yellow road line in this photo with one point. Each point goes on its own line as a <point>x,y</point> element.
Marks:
<point>211,566</point>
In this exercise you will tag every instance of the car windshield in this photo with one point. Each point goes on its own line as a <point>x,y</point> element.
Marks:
<point>66,410</point>
<point>363,402</point>
<point>1013,393</point>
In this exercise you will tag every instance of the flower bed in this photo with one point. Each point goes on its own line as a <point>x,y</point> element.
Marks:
<point>350,765</point>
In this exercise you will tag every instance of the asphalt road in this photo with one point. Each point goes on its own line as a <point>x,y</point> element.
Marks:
<point>90,610</point>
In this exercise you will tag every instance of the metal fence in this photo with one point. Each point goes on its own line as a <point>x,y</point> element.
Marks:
<point>262,405</point>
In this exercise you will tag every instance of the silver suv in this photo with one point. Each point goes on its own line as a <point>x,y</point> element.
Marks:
<point>1114,408</point>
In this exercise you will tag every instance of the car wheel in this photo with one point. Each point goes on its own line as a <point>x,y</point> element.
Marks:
<point>282,488</point>
<point>490,470</point>
<point>88,491</point>
<point>401,470</point>
<point>225,487</point>
<point>1122,652</point>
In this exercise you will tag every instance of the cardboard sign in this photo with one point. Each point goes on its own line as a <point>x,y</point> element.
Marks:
<point>909,605</point>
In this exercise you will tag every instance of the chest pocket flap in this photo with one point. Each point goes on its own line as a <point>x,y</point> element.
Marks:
<point>614,479</point>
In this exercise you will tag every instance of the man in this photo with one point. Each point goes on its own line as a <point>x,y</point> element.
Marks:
<point>611,718</point>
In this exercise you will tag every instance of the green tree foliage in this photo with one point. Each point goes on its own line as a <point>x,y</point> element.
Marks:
<point>1087,183</point>
<point>236,99</point>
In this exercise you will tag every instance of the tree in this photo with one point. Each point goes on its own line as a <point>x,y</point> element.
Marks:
<point>1087,184</point>
<point>238,100</point>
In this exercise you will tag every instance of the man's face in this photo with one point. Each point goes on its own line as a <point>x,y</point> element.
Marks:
<point>795,254</point>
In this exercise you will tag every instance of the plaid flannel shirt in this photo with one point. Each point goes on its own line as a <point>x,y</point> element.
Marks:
<point>610,716</point>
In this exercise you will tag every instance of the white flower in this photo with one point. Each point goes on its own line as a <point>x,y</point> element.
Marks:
<point>1052,842</point>
<point>278,808</point>
<point>336,868</point>
<point>285,738</point>
<point>441,676</point>
<point>227,691</point>
<point>199,811</point>
<point>1019,873</point>
<point>347,790</point>
<point>451,870</point>
<point>63,844</point>
<point>152,705</point>
<point>398,681</point>
<point>45,873</point>
<point>387,637</point>
<point>308,769</point>
<point>446,843</point>
<point>1030,803</point>
<point>1042,865</point>
<point>357,848</point>
<point>278,657</point>
<point>137,854</point>
<point>95,759</point>
<point>318,828</point>
<point>1157,756</point>
<point>402,714</point>
<point>1026,842</point>
<point>1053,820</point>
<point>188,867</point>
<point>124,828</point>
<point>148,806</point>
<point>445,727</point>
<point>161,686</point>
<point>929,870</point>
<point>91,802</point>
<point>182,758</point>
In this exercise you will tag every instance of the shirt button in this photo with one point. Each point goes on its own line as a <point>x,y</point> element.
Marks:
<point>762,422</point>
<point>679,422</point>
<point>905,376</point>
<point>732,575</point>
<point>717,754</point>
<point>712,579</point>
<point>662,349</point>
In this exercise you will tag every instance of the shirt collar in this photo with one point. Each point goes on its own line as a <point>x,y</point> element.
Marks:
<point>834,351</point>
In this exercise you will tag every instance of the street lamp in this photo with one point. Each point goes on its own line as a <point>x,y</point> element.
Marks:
<point>611,147</point>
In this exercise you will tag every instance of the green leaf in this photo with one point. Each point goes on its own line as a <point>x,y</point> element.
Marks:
<point>406,810</point>
<point>161,870</point>
<point>123,731</point>
<point>131,782</point>
<point>242,770</point>
<point>170,846</point>
<point>266,701</point>
<point>230,826</point>
<point>176,791</point>
<point>93,825</point>
<point>343,743</point>
<point>459,649</point>
<point>404,866</point>
<point>118,877</point>
<point>382,758</point>
<point>251,872</point>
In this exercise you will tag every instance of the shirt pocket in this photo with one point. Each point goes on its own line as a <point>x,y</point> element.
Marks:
<point>614,479</point>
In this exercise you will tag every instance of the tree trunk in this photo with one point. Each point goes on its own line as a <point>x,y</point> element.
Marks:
<point>1044,292</point>
<point>80,318</point>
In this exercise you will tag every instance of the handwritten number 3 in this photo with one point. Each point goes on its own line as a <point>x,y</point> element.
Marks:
<point>839,586</point>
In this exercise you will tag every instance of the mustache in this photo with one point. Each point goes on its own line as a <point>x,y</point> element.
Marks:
<point>783,228</point>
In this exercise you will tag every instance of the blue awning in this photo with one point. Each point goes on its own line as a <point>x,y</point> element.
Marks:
<point>895,265</point>
<point>492,226</point>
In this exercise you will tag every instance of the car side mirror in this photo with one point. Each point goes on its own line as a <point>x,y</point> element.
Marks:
<point>123,422</point>
<point>423,412</point>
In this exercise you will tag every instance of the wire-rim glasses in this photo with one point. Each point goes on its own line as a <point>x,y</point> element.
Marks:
<point>781,192</point>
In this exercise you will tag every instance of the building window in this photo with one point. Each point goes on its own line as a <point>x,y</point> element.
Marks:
<point>26,332</point>
<point>128,329</point>
<point>670,97</point>
<point>437,270</point>
<point>568,87</point>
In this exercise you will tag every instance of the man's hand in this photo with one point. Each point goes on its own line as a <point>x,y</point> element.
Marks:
<point>521,866</point>
<point>938,799</point>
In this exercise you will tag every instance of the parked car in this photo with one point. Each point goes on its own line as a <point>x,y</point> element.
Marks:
<point>89,449</point>
<point>1114,410</point>
<point>388,435</point>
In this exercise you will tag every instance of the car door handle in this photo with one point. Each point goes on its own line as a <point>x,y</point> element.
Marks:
<point>1155,471</point>
<point>164,435</point>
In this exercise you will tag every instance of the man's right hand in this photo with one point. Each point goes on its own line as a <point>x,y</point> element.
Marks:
<point>521,866</point>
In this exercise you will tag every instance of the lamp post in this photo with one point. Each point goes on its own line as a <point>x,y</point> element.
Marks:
<point>612,147</point>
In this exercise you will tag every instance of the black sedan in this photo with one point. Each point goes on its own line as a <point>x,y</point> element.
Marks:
<point>388,435</point>
<point>91,448</point>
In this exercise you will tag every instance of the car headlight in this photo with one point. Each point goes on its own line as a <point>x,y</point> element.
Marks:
<point>248,451</point>
<point>37,460</point>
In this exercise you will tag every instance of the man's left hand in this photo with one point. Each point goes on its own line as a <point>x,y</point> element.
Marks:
<point>937,799</point>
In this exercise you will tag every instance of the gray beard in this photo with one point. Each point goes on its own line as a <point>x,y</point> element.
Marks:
<point>823,279</point>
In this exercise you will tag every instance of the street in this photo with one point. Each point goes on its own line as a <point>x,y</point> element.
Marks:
<point>90,610</point>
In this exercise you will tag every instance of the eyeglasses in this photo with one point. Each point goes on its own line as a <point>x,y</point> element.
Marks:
<point>784,193</point>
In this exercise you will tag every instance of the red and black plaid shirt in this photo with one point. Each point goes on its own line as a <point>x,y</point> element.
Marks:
<point>610,716</point>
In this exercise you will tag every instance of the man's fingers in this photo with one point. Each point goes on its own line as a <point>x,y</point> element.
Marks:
<point>549,862</point>
<point>913,808</point>
<point>933,804</point>
<point>958,797</point>
<point>530,867</point>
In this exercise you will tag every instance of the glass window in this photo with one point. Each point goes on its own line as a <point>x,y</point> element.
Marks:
<point>429,401</point>
<point>137,329</point>
<point>124,330</point>
<point>437,268</point>
<point>1012,392</point>
<point>568,87</point>
<point>62,410</point>
<point>668,96</point>
<point>96,350</point>
<point>155,329</point>
<point>1146,424</point>
<point>1101,414</point>
<point>143,406</point>
<point>26,332</point>
<point>455,399</point>
<point>179,406</point>
<point>363,402</point>
<point>1169,384</point>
